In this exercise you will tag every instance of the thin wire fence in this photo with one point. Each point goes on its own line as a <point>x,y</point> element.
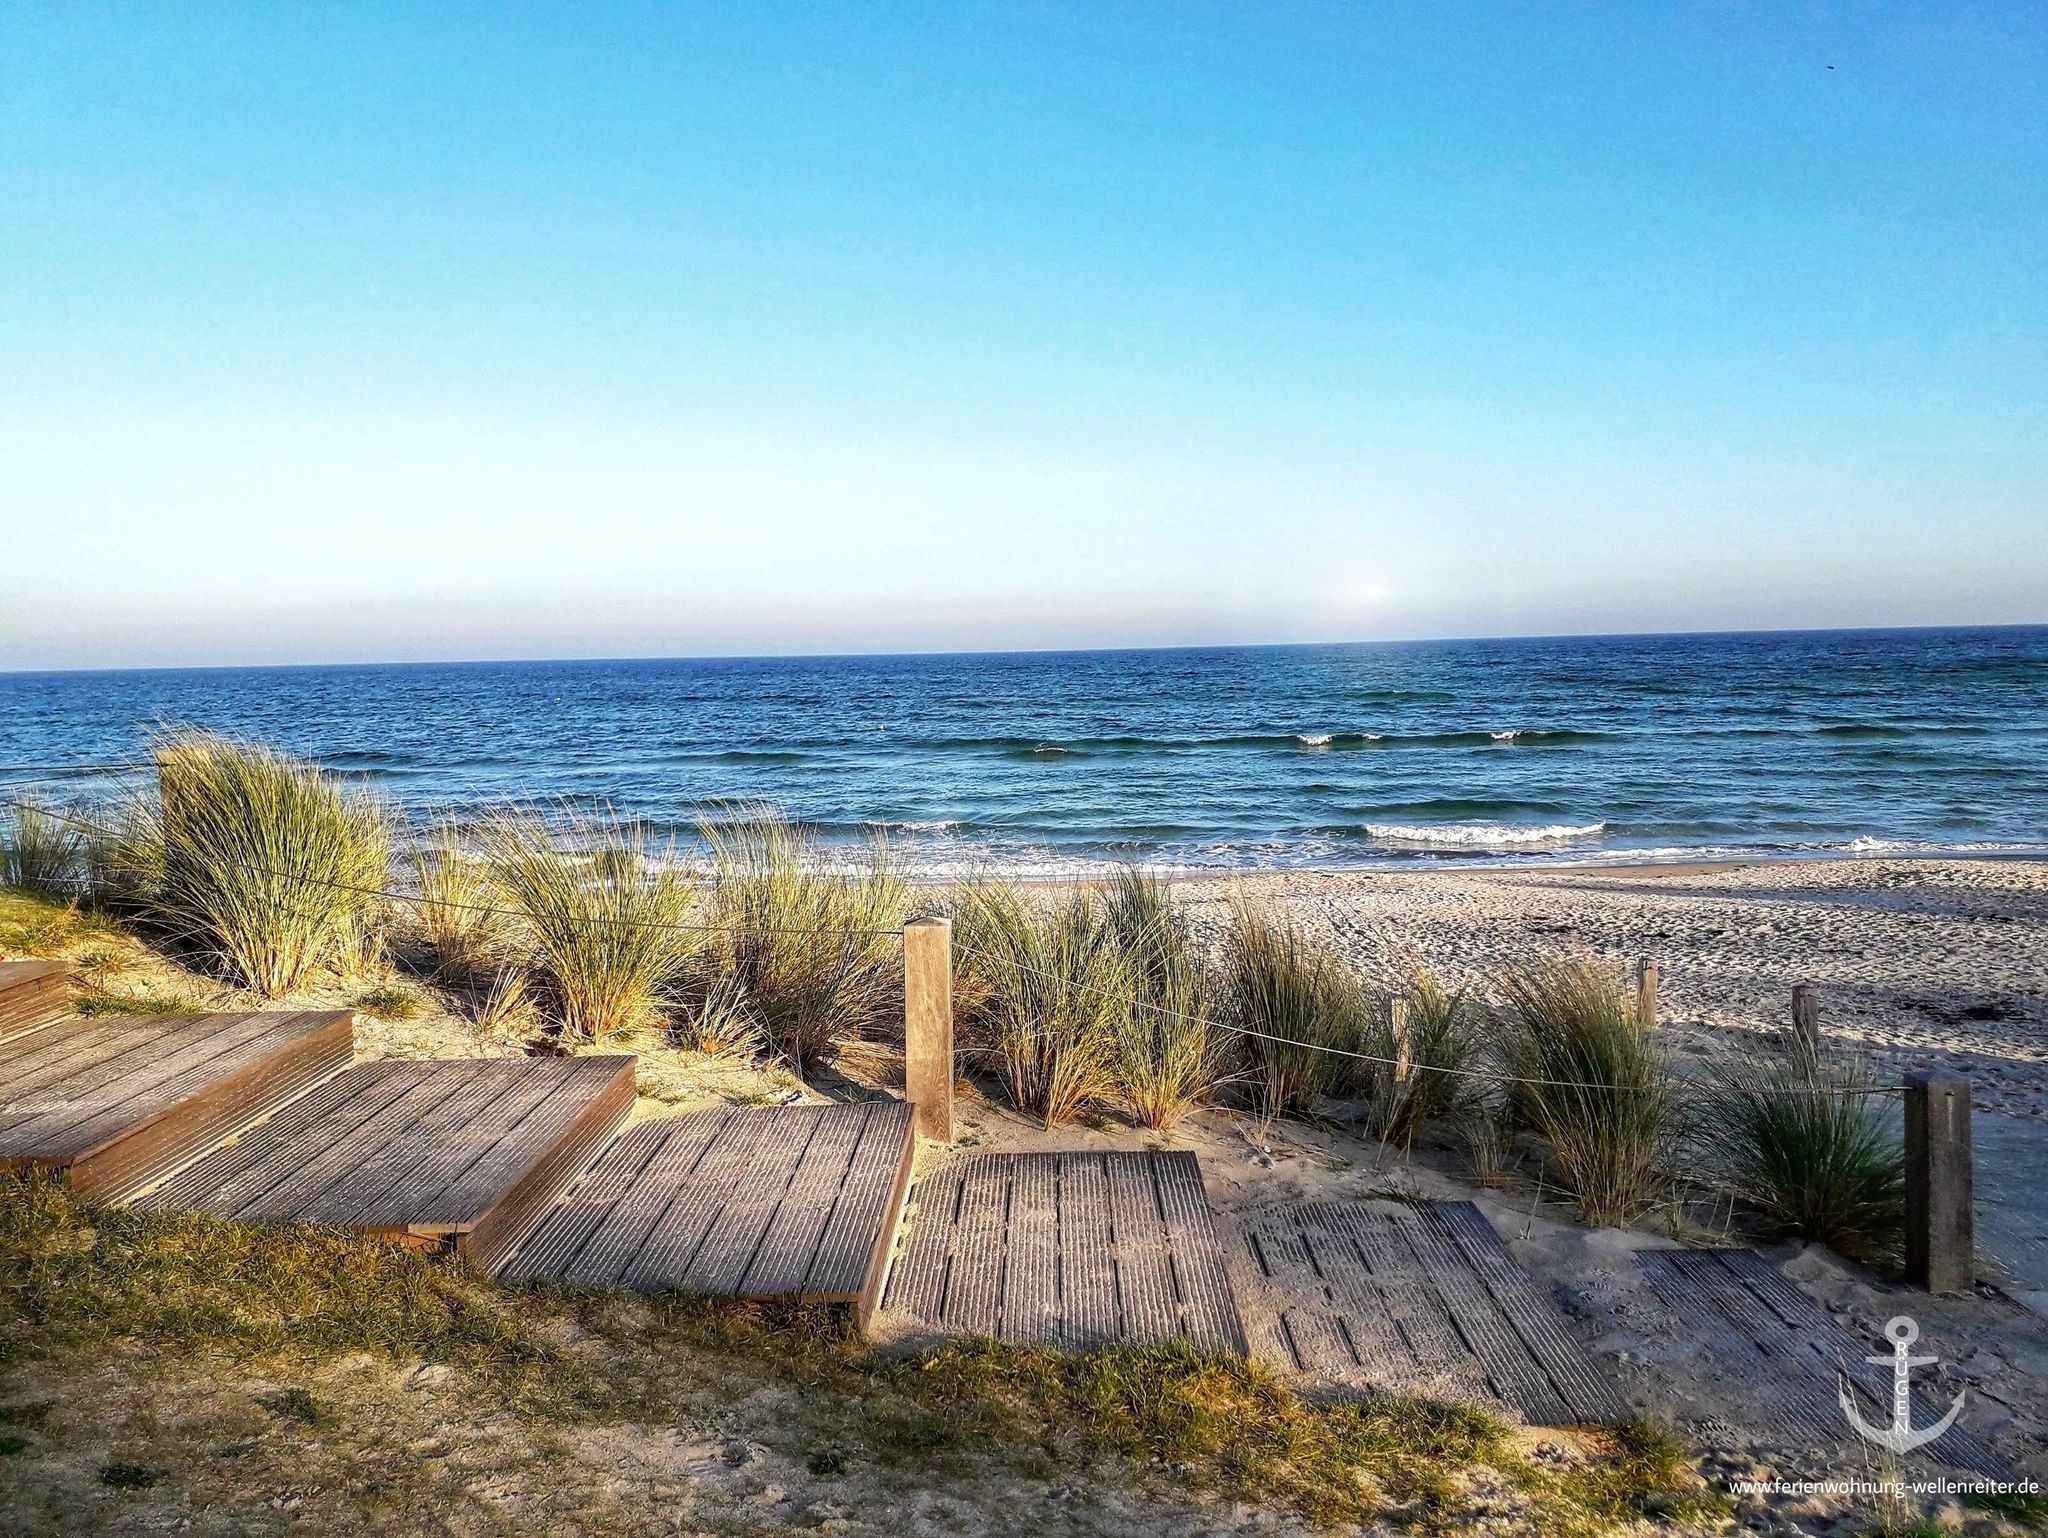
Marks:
<point>846,931</point>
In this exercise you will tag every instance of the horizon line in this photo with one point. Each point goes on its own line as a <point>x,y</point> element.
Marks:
<point>1035,651</point>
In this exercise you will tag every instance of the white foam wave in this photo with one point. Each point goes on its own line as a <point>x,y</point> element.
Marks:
<point>1482,835</point>
<point>1507,736</point>
<point>917,825</point>
<point>1313,739</point>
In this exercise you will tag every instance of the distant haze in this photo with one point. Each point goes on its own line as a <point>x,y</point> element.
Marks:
<point>372,333</point>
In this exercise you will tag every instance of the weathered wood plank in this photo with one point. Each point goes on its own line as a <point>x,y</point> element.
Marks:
<point>618,1240</point>
<point>796,1230</point>
<point>974,1280</point>
<point>1361,1304</point>
<point>1089,1313</point>
<point>1588,1393</point>
<point>1208,1308</point>
<point>869,1205</point>
<point>671,1245</point>
<point>918,1286</point>
<point>734,1238</point>
<point>1310,1326</point>
<point>556,1241</point>
<point>467,1194</point>
<point>1144,1276</point>
<point>1030,1295</point>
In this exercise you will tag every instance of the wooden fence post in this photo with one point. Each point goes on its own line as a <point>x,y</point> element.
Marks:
<point>1402,1038</point>
<point>1646,993</point>
<point>928,1025</point>
<point>1806,1022</point>
<point>1940,1222</point>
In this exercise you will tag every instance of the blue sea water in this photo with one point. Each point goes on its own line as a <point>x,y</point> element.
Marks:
<point>1604,747</point>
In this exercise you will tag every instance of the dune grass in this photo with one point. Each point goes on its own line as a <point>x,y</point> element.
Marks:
<point>1170,1055</point>
<point>1796,1144</point>
<point>805,954</point>
<point>607,912</point>
<point>1442,1047</point>
<point>40,849</point>
<point>1593,1085</point>
<point>1292,996</point>
<point>1044,989</point>
<point>456,921</point>
<point>255,861</point>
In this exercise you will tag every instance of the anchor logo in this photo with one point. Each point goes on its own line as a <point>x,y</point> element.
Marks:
<point>1900,1436</point>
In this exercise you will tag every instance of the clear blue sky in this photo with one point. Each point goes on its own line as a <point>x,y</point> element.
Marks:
<point>363,332</point>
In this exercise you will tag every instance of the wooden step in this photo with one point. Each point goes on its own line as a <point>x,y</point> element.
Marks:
<point>1067,1249</point>
<point>781,1202</point>
<point>114,1104</point>
<point>1423,1298</point>
<point>468,1152</point>
<point>32,993</point>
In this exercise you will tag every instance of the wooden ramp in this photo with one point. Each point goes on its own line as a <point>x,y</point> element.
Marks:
<point>1423,1298</point>
<point>470,1151</point>
<point>32,993</point>
<point>1070,1249</point>
<point>1793,1357</point>
<point>113,1104</point>
<point>781,1202</point>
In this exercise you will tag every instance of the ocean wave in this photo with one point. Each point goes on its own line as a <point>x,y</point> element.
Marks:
<point>1482,835</point>
<point>940,825</point>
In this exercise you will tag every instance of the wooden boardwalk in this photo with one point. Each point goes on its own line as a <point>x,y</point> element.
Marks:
<point>1422,1298</point>
<point>471,1150</point>
<point>1793,1356</point>
<point>1069,1249</point>
<point>113,1104</point>
<point>790,1201</point>
<point>32,993</point>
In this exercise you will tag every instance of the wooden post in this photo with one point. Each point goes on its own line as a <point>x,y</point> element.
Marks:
<point>928,1025</point>
<point>1646,993</point>
<point>1806,1023</point>
<point>1402,1038</point>
<point>1940,1222</point>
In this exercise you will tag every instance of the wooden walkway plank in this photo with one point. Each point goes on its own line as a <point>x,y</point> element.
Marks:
<point>499,1160</point>
<point>672,1241</point>
<point>1414,1307</point>
<point>1364,1317</point>
<point>325,1153</point>
<point>73,1085</point>
<point>200,1183</point>
<point>1089,1312</point>
<point>1588,1394</point>
<point>1310,1330</point>
<point>796,1232</point>
<point>521,1201</point>
<point>44,1057</point>
<point>554,1243</point>
<point>1518,1379</point>
<point>183,1073</point>
<point>722,1260</point>
<point>1031,1281</point>
<point>974,1281</point>
<point>860,1235</point>
<point>1209,1309</point>
<point>32,993</point>
<point>1144,1275</point>
<point>615,1242</point>
<point>372,1181</point>
<point>917,1287</point>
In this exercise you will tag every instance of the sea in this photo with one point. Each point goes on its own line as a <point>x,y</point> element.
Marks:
<point>1590,749</point>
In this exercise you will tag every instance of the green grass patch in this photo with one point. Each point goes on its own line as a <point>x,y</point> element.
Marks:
<point>390,1001</point>
<point>2013,1505</point>
<point>81,1286</point>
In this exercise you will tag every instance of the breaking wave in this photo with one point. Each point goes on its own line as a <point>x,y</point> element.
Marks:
<point>1482,835</point>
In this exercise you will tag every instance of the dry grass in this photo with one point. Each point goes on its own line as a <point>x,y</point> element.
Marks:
<point>40,849</point>
<point>1443,1041</point>
<point>1170,1055</point>
<point>1294,997</point>
<point>1044,991</point>
<point>456,920</point>
<point>607,912</point>
<point>258,863</point>
<point>805,954</point>
<point>1594,1086</point>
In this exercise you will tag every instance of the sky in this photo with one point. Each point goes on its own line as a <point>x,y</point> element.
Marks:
<point>365,333</point>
